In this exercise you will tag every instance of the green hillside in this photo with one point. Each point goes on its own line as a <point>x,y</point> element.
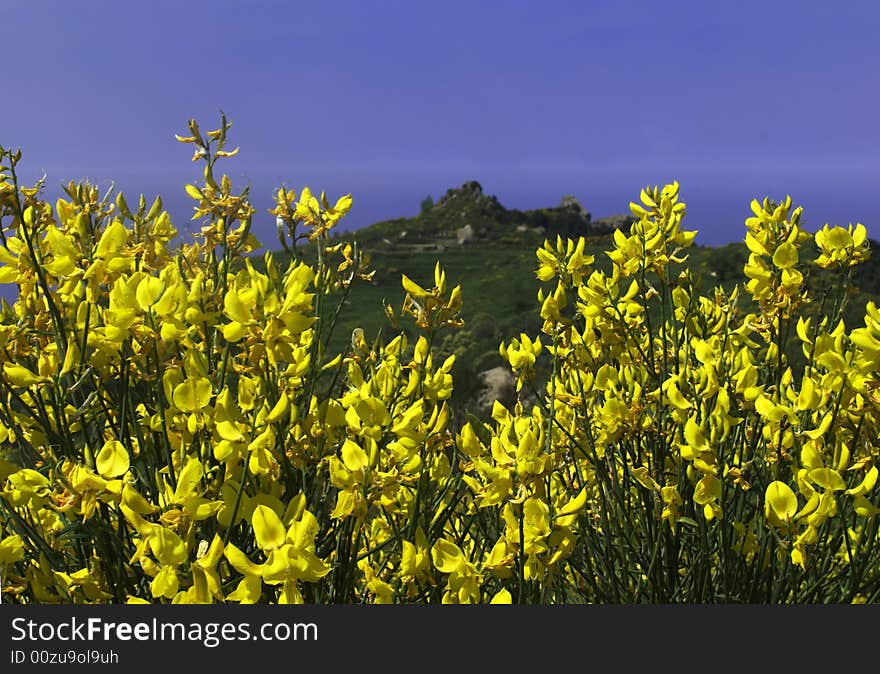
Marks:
<point>496,265</point>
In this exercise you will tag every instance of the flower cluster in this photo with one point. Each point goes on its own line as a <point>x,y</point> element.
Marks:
<point>174,427</point>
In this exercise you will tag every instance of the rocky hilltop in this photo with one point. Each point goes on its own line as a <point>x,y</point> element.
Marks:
<point>466,214</point>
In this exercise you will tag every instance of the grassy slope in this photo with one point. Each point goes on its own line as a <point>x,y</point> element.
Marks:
<point>496,271</point>
<point>499,290</point>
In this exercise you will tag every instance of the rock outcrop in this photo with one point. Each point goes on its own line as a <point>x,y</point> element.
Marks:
<point>466,214</point>
<point>496,384</point>
<point>571,203</point>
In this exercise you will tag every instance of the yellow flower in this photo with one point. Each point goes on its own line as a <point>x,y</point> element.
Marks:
<point>291,557</point>
<point>113,460</point>
<point>780,504</point>
<point>19,375</point>
<point>463,579</point>
<point>11,550</point>
<point>839,247</point>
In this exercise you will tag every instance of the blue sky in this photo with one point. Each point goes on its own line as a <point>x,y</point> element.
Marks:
<point>393,101</point>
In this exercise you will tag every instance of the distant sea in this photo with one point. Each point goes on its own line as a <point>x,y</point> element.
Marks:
<point>717,201</point>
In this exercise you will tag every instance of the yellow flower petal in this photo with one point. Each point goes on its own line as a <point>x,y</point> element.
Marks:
<point>167,546</point>
<point>280,408</point>
<point>268,529</point>
<point>827,479</point>
<point>149,291</point>
<point>781,500</point>
<point>447,556</point>
<point>502,597</point>
<point>412,287</point>
<point>354,457</point>
<point>18,375</point>
<point>192,395</point>
<point>112,460</point>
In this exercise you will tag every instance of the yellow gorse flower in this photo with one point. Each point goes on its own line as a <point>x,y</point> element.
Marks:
<point>175,426</point>
<point>842,247</point>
